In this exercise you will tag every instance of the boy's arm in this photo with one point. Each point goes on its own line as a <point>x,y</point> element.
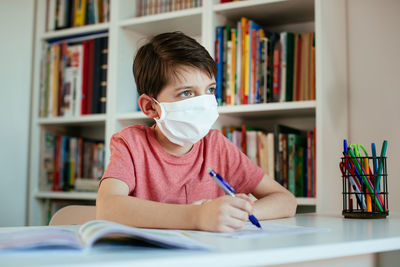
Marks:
<point>274,201</point>
<point>223,214</point>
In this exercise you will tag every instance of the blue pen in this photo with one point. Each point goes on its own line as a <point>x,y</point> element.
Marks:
<point>374,160</point>
<point>383,154</point>
<point>345,146</point>
<point>228,189</point>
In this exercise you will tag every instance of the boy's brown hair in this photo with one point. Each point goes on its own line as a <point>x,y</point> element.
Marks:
<point>157,61</point>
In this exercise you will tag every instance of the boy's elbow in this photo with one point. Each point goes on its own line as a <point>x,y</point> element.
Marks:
<point>292,205</point>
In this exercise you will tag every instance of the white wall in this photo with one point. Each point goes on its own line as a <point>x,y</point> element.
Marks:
<point>16,32</point>
<point>374,81</point>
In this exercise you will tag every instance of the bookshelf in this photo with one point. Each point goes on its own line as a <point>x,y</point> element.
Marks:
<point>127,32</point>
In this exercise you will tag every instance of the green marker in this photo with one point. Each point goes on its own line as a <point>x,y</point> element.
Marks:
<point>365,179</point>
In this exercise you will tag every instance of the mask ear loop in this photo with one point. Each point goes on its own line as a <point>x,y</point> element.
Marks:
<point>162,110</point>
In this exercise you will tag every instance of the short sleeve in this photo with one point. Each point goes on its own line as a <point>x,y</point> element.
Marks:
<point>241,172</point>
<point>121,162</point>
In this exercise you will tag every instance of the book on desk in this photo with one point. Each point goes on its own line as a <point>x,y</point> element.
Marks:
<point>99,232</point>
<point>94,232</point>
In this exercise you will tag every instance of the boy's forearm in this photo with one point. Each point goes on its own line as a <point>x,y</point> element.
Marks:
<point>275,205</point>
<point>147,214</point>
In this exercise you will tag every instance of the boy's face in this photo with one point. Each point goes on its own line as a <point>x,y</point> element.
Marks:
<point>190,82</point>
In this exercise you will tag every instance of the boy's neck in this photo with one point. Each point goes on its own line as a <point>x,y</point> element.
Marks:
<point>168,146</point>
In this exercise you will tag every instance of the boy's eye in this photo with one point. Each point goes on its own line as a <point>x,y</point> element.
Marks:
<point>211,91</point>
<point>186,93</point>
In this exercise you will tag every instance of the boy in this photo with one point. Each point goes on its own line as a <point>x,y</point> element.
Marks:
<point>157,176</point>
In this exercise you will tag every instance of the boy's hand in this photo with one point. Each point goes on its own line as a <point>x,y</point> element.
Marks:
<point>224,214</point>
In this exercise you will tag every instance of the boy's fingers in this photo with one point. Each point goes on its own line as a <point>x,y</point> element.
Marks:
<point>245,197</point>
<point>239,214</point>
<point>242,204</point>
<point>235,223</point>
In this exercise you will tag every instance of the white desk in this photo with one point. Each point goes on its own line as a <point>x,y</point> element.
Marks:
<point>349,241</point>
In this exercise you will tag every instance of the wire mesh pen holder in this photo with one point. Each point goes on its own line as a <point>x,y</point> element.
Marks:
<point>365,191</point>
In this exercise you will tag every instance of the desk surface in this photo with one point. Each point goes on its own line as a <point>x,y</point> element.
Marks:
<point>347,237</point>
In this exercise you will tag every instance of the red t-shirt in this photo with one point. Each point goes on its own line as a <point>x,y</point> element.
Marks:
<point>151,173</point>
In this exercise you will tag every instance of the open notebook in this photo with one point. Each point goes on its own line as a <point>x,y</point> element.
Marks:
<point>93,232</point>
<point>98,231</point>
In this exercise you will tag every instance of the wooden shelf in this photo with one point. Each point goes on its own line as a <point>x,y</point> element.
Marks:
<point>66,195</point>
<point>187,21</point>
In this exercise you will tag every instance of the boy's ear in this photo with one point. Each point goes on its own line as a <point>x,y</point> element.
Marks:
<point>149,107</point>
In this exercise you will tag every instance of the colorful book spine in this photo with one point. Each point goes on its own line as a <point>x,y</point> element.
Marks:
<point>219,62</point>
<point>79,12</point>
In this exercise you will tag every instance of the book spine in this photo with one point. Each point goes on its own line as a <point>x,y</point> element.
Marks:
<point>247,61</point>
<point>226,39</point>
<point>233,67</point>
<point>299,173</point>
<point>48,149</point>
<point>285,176</point>
<point>51,15</point>
<point>96,76</point>
<point>291,164</point>
<point>227,62</point>
<point>279,170</point>
<point>309,165</point>
<point>283,67</point>
<point>252,65</point>
<point>312,71</point>
<point>77,64</point>
<point>106,10</point>
<point>103,76</point>
<point>55,80</point>
<point>80,12</point>
<point>298,67</point>
<point>276,73</point>
<point>57,157</point>
<point>90,71</point>
<point>289,66</point>
<point>238,63</point>
<point>244,144</point>
<point>219,62</point>
<point>314,178</point>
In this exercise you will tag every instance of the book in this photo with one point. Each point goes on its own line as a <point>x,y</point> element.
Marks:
<point>251,146</point>
<point>80,12</point>
<point>280,129</point>
<point>296,144</point>
<point>219,61</point>
<point>96,232</point>
<point>289,66</point>
<point>103,75</point>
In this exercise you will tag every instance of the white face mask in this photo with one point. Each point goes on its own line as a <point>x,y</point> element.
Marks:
<point>187,121</point>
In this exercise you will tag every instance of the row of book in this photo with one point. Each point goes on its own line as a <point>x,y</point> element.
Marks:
<point>258,66</point>
<point>73,78</point>
<point>287,155</point>
<point>152,7</point>
<point>63,14</point>
<point>67,159</point>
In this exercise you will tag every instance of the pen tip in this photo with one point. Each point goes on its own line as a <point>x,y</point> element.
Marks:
<point>209,169</point>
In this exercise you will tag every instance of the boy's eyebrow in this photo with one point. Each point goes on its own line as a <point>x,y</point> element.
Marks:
<point>191,86</point>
